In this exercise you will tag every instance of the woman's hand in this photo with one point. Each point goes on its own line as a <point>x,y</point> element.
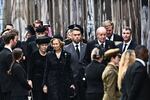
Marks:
<point>72,86</point>
<point>45,89</point>
<point>30,83</point>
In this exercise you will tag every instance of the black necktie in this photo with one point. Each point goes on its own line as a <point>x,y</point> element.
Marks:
<point>77,50</point>
<point>124,48</point>
<point>109,37</point>
<point>102,45</point>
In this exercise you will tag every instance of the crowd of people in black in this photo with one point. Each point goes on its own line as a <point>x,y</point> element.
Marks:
<point>111,67</point>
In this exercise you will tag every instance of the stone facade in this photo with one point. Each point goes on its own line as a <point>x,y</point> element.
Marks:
<point>88,13</point>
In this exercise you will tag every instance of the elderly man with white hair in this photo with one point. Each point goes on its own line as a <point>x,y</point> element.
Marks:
<point>99,41</point>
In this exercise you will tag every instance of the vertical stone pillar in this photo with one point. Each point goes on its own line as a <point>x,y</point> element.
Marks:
<point>148,26</point>
<point>19,15</point>
<point>90,20</point>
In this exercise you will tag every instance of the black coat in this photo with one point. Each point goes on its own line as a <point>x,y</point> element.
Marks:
<point>36,70</point>
<point>58,75</point>
<point>31,48</point>
<point>94,77</point>
<point>5,62</point>
<point>136,83</point>
<point>117,38</point>
<point>131,46</point>
<point>19,81</point>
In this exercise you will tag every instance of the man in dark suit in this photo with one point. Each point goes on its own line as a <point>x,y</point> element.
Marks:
<point>101,40</point>
<point>10,40</point>
<point>68,39</point>
<point>109,25</point>
<point>77,50</point>
<point>137,82</point>
<point>128,42</point>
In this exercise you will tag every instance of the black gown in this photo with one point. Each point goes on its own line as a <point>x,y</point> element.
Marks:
<point>36,73</point>
<point>58,75</point>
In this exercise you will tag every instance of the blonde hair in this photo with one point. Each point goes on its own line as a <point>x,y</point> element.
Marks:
<point>107,23</point>
<point>127,59</point>
<point>61,42</point>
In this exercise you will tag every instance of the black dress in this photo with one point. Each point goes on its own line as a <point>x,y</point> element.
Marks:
<point>58,75</point>
<point>94,81</point>
<point>19,83</point>
<point>36,73</point>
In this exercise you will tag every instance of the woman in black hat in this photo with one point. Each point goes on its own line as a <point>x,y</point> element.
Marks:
<point>58,77</point>
<point>37,65</point>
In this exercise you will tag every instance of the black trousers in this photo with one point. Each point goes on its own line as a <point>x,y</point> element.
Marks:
<point>0,93</point>
<point>5,96</point>
<point>19,98</point>
<point>94,96</point>
<point>80,90</point>
<point>39,95</point>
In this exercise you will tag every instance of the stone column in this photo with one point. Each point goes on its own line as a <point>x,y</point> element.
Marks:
<point>90,20</point>
<point>19,15</point>
<point>148,26</point>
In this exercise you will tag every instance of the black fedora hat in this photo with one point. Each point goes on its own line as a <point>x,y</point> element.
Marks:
<point>58,36</point>
<point>76,26</point>
<point>40,29</point>
<point>43,40</point>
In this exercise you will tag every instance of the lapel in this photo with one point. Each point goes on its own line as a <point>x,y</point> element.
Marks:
<point>120,46</point>
<point>73,51</point>
<point>131,45</point>
<point>81,50</point>
<point>107,45</point>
